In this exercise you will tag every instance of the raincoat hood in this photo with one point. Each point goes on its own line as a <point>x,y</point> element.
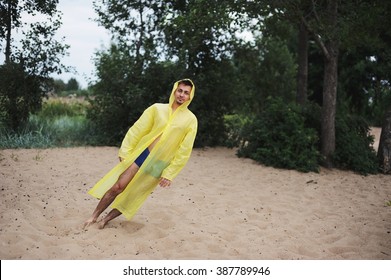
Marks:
<point>172,96</point>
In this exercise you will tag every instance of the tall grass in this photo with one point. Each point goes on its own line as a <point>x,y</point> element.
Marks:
<point>58,107</point>
<point>60,123</point>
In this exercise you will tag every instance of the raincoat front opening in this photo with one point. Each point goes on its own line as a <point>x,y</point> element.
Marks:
<point>177,131</point>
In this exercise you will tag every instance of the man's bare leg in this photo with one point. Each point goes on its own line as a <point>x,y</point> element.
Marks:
<point>112,193</point>
<point>106,200</point>
<point>111,215</point>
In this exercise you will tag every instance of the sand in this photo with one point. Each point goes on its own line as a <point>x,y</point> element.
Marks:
<point>219,207</point>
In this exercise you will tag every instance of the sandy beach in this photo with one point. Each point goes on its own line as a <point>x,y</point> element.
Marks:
<point>219,207</point>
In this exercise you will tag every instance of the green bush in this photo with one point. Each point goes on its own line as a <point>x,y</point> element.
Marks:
<point>354,149</point>
<point>234,125</point>
<point>20,95</point>
<point>278,137</point>
<point>216,88</point>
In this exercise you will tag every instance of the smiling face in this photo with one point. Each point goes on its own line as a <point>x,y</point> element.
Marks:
<point>182,94</point>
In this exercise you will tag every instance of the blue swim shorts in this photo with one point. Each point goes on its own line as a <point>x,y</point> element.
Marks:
<point>141,158</point>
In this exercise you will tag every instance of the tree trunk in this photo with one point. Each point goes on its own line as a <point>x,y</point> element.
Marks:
<point>330,82</point>
<point>302,75</point>
<point>8,32</point>
<point>329,104</point>
<point>384,151</point>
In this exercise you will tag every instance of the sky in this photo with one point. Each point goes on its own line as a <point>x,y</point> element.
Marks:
<point>84,36</point>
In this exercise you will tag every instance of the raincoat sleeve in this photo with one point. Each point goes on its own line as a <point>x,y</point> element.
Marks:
<point>139,129</point>
<point>183,153</point>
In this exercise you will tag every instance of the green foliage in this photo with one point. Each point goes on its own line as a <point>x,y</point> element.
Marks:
<point>30,58</point>
<point>278,70</point>
<point>56,107</point>
<point>122,94</point>
<point>32,44</point>
<point>198,32</point>
<point>24,138</point>
<point>379,99</point>
<point>279,138</point>
<point>39,132</point>
<point>132,76</point>
<point>134,25</point>
<point>213,99</point>
<point>20,94</point>
<point>109,106</point>
<point>234,125</point>
<point>234,81</point>
<point>58,124</point>
<point>84,93</point>
<point>268,69</point>
<point>72,85</point>
<point>364,80</point>
<point>354,149</point>
<point>59,86</point>
<point>69,89</point>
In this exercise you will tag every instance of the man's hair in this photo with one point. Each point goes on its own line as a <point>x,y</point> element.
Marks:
<point>186,82</point>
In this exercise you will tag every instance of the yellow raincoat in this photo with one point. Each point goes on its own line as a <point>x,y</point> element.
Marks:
<point>177,133</point>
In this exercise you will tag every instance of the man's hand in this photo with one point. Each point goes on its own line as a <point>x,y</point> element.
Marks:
<point>164,183</point>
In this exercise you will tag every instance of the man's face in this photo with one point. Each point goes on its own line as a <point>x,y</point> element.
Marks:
<point>182,94</point>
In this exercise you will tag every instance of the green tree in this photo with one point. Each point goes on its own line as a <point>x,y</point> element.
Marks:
<point>134,27</point>
<point>329,25</point>
<point>177,37</point>
<point>200,35</point>
<point>121,95</point>
<point>128,79</point>
<point>72,85</point>
<point>321,20</point>
<point>58,86</point>
<point>15,104</point>
<point>28,62</point>
<point>268,69</point>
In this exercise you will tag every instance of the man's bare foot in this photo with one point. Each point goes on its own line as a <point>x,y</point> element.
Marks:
<point>89,222</point>
<point>102,224</point>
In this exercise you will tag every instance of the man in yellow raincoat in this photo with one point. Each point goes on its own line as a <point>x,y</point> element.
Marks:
<point>153,152</point>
